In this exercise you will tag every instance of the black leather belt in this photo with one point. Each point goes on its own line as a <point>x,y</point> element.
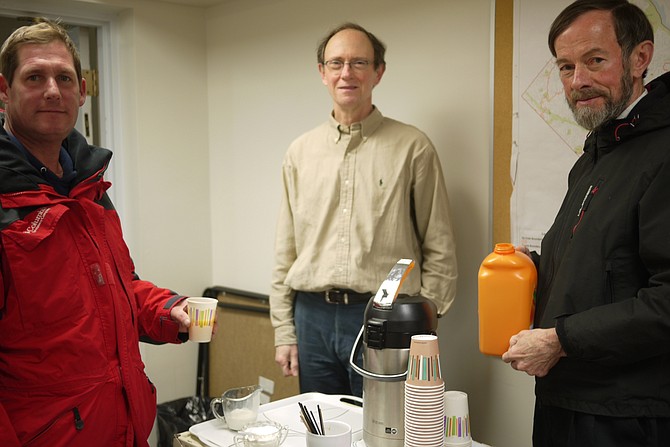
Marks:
<point>344,296</point>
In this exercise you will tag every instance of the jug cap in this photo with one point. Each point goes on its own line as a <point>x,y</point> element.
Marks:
<point>504,248</point>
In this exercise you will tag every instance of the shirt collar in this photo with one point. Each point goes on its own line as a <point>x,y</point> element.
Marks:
<point>367,126</point>
<point>625,113</point>
<point>61,184</point>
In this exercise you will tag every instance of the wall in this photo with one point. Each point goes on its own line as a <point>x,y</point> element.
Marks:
<point>264,90</point>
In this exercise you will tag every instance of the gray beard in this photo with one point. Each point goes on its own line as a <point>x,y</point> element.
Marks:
<point>592,119</point>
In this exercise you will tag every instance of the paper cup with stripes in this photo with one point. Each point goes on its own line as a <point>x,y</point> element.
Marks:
<point>457,420</point>
<point>423,368</point>
<point>202,312</point>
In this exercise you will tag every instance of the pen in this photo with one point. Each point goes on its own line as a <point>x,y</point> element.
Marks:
<point>308,419</point>
<point>323,431</point>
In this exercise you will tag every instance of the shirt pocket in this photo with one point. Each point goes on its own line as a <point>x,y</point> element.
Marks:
<point>46,271</point>
<point>386,186</point>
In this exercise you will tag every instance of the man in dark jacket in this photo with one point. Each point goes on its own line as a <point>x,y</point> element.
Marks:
<point>600,349</point>
<point>71,307</point>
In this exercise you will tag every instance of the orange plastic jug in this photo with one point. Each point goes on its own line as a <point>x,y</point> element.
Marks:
<point>507,282</point>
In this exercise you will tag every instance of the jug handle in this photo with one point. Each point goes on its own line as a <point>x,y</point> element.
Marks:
<point>213,404</point>
<point>369,374</point>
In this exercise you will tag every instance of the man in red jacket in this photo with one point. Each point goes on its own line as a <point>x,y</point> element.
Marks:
<point>72,309</point>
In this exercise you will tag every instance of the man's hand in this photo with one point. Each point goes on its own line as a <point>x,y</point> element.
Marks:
<point>179,314</point>
<point>523,249</point>
<point>286,357</point>
<point>535,351</point>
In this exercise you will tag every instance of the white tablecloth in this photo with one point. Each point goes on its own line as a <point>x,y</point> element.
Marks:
<point>286,412</point>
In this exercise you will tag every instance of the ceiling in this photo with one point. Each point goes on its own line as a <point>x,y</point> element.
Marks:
<point>201,3</point>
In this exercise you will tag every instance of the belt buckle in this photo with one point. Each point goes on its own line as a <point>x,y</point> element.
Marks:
<point>344,295</point>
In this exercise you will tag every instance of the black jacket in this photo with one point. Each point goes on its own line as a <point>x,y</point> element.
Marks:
<point>604,273</point>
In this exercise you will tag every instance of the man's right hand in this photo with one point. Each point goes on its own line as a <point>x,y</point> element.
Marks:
<point>523,249</point>
<point>286,357</point>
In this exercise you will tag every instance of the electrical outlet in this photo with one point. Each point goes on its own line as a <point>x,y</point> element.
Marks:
<point>268,385</point>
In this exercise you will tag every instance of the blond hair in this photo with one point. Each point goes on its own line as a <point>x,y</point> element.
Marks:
<point>42,32</point>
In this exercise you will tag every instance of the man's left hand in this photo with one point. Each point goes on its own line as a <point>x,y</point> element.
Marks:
<point>179,314</point>
<point>534,351</point>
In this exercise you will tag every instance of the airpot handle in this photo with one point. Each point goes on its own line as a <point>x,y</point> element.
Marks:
<point>369,374</point>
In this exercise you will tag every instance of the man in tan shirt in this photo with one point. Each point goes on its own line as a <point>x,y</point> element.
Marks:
<point>360,192</point>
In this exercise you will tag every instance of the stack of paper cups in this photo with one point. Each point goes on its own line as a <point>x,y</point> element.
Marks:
<point>424,394</point>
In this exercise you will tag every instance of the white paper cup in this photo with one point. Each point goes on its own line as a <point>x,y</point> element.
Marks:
<point>202,312</point>
<point>457,419</point>
<point>338,434</point>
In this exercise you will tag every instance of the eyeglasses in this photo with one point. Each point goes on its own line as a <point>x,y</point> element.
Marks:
<point>336,65</point>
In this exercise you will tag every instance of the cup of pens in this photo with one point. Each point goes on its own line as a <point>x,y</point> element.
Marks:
<point>320,433</point>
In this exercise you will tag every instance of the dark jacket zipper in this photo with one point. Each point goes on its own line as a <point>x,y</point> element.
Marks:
<point>78,421</point>
<point>78,425</point>
<point>609,288</point>
<point>590,194</point>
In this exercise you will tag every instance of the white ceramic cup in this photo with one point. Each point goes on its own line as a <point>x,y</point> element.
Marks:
<point>202,312</point>
<point>457,420</point>
<point>338,434</point>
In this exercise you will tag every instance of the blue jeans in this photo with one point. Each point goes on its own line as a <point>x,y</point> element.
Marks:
<point>326,335</point>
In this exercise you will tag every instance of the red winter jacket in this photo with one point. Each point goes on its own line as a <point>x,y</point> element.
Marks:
<point>72,311</point>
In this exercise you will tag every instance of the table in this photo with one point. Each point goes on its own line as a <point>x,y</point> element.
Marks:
<point>285,412</point>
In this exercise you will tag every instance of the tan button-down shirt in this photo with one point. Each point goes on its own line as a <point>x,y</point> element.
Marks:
<point>357,199</point>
